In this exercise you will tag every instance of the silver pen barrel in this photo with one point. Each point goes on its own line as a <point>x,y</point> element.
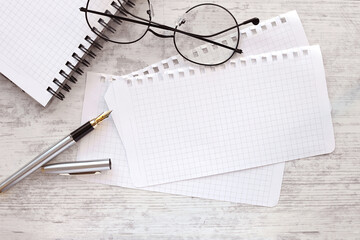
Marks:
<point>37,162</point>
<point>52,152</point>
<point>79,167</point>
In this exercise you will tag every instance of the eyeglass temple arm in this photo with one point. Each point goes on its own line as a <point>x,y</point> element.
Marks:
<point>254,21</point>
<point>160,35</point>
<point>150,24</point>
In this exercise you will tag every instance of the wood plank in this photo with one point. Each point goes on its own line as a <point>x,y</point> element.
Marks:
<point>320,197</point>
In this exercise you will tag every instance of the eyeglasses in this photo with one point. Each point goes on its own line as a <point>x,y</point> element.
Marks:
<point>133,19</point>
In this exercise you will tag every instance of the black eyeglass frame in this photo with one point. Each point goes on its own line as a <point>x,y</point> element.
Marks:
<point>149,23</point>
<point>237,42</point>
<point>86,10</point>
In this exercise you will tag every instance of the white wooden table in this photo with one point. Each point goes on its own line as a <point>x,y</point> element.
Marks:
<point>320,198</point>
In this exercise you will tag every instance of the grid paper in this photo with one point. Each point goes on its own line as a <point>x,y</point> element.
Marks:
<point>250,186</point>
<point>37,38</point>
<point>259,186</point>
<point>259,110</point>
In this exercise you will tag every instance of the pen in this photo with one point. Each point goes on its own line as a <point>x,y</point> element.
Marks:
<point>78,167</point>
<point>52,152</point>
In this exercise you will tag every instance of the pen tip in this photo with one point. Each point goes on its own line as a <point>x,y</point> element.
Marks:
<point>107,113</point>
<point>100,118</point>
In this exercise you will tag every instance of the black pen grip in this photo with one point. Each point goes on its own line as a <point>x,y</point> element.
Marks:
<point>81,131</point>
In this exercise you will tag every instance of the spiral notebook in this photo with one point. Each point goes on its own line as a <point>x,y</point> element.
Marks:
<point>42,42</point>
<point>258,110</point>
<point>259,186</point>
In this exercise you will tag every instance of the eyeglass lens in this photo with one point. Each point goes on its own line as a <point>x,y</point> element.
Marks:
<point>196,21</point>
<point>193,37</point>
<point>121,31</point>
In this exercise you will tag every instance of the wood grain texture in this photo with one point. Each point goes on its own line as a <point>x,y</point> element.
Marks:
<point>320,197</point>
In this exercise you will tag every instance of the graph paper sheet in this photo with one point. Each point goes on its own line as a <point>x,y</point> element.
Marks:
<point>258,186</point>
<point>256,111</point>
<point>250,186</point>
<point>37,38</point>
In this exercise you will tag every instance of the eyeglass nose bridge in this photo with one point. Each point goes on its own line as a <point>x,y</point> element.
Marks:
<point>181,20</point>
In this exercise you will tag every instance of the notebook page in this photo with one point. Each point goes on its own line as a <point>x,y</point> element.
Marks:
<point>260,110</point>
<point>260,186</point>
<point>230,186</point>
<point>37,38</point>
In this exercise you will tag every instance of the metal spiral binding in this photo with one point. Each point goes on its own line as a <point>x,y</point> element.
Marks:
<point>119,8</point>
<point>100,34</point>
<point>130,3</point>
<point>87,52</point>
<point>93,43</point>
<point>73,68</point>
<point>105,25</point>
<point>58,95</point>
<point>67,76</point>
<point>63,86</point>
<point>118,21</point>
<point>83,61</point>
